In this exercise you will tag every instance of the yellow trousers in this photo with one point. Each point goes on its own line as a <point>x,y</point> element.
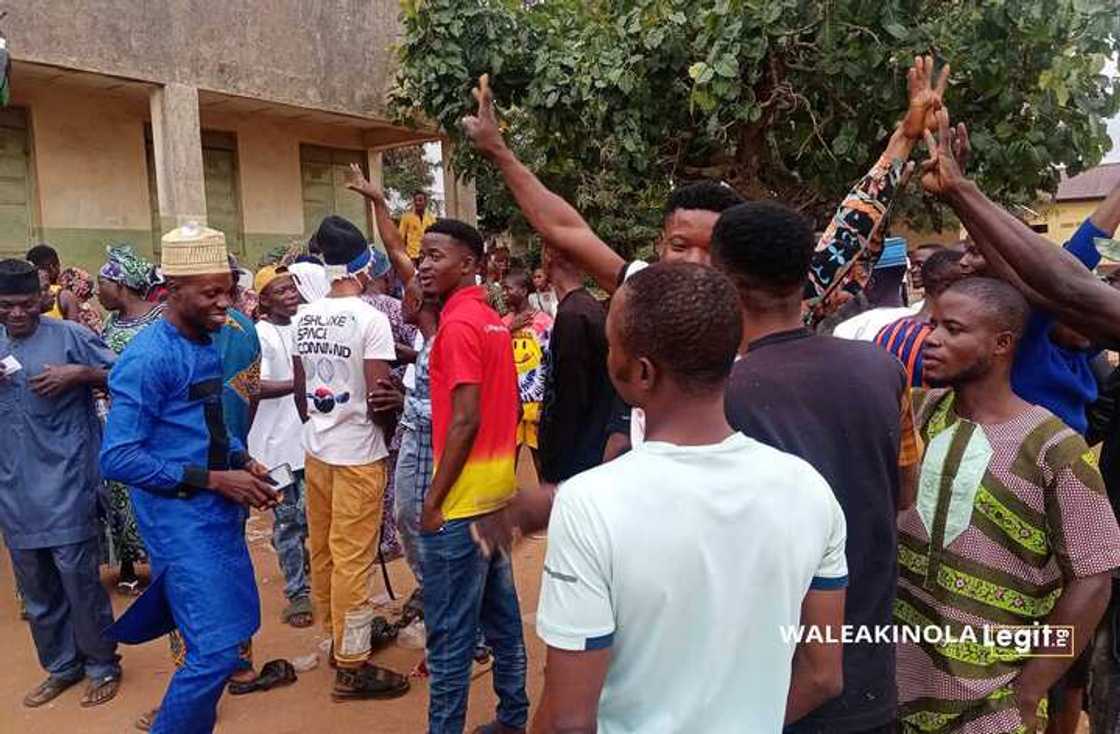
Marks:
<point>344,522</point>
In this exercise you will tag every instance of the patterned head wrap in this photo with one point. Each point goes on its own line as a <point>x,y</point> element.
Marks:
<point>124,266</point>
<point>78,282</point>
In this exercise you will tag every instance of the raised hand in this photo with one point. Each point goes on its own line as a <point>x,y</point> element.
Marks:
<point>941,174</point>
<point>482,128</point>
<point>962,146</point>
<point>925,97</point>
<point>357,181</point>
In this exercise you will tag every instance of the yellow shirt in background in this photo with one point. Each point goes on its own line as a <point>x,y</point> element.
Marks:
<point>56,307</point>
<point>412,229</point>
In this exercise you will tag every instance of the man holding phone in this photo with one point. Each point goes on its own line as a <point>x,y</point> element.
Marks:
<point>191,482</point>
<point>275,436</point>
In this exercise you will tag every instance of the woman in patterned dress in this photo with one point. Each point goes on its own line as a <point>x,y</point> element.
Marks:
<point>79,282</point>
<point>122,286</point>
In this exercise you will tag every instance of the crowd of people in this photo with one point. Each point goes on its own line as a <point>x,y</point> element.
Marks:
<point>779,493</point>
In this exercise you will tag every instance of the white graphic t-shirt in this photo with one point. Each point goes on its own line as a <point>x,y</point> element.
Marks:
<point>334,337</point>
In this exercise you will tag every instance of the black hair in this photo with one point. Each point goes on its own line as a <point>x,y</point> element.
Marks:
<point>708,196</point>
<point>339,240</point>
<point>520,277</point>
<point>1000,302</point>
<point>764,245</point>
<point>686,319</point>
<point>43,256</point>
<point>940,270</point>
<point>931,246</point>
<point>461,232</point>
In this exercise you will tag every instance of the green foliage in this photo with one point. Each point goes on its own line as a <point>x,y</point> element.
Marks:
<point>405,171</point>
<point>613,101</point>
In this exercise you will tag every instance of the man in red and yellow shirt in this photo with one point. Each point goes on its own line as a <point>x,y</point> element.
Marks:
<point>474,433</point>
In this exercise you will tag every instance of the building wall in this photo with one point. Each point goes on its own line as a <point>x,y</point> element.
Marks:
<point>1064,217</point>
<point>325,54</point>
<point>89,171</point>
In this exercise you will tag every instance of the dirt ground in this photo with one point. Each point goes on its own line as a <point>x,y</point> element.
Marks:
<point>303,707</point>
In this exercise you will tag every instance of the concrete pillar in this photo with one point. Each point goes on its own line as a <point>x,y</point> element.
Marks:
<point>177,142</point>
<point>459,196</point>
<point>375,164</point>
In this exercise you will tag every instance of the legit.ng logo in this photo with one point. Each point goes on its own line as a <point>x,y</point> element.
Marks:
<point>325,400</point>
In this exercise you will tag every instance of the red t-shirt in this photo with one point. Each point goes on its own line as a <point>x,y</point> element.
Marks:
<point>473,347</point>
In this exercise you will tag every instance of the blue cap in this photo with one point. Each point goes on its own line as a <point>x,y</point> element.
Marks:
<point>894,253</point>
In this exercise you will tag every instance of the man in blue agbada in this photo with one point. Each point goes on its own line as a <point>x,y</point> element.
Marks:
<point>49,486</point>
<point>191,482</point>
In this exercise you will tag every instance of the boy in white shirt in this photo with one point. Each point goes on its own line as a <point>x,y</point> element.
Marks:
<point>343,348</point>
<point>700,545</point>
<point>275,435</point>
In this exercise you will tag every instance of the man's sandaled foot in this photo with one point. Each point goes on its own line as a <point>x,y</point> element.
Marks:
<point>47,691</point>
<point>145,722</point>
<point>101,690</point>
<point>298,613</point>
<point>367,683</point>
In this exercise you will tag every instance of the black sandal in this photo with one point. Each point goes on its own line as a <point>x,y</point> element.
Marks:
<point>368,683</point>
<point>274,674</point>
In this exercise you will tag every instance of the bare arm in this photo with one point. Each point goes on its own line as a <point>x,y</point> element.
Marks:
<point>68,304</point>
<point>299,388</point>
<point>554,219</point>
<point>818,673</point>
<point>275,389</point>
<point>390,235</point>
<point>1051,276</point>
<point>1081,605</point>
<point>573,682</point>
<point>376,371</point>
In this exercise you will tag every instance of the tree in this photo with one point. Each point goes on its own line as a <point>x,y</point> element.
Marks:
<point>613,101</point>
<point>406,171</point>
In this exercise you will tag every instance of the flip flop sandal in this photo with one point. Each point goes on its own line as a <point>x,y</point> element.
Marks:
<point>299,608</point>
<point>368,683</point>
<point>420,672</point>
<point>274,674</point>
<point>145,722</point>
<point>47,691</point>
<point>93,695</point>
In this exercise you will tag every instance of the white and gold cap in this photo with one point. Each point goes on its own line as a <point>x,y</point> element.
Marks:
<point>193,250</point>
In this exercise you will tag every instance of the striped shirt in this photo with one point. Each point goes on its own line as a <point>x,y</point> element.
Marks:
<point>906,340</point>
<point>1006,515</point>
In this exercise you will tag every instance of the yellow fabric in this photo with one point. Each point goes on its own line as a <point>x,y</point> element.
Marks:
<point>528,428</point>
<point>466,498</point>
<point>344,524</point>
<point>266,275</point>
<point>56,307</point>
<point>412,229</point>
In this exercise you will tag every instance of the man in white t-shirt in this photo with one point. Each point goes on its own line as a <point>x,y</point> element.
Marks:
<point>275,436</point>
<point>645,571</point>
<point>343,348</point>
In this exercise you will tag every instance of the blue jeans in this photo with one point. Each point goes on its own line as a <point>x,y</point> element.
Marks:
<point>413,477</point>
<point>67,608</point>
<point>463,590</point>
<point>289,537</point>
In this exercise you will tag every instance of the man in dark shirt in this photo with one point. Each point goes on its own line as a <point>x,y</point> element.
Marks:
<point>578,393</point>
<point>841,405</point>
